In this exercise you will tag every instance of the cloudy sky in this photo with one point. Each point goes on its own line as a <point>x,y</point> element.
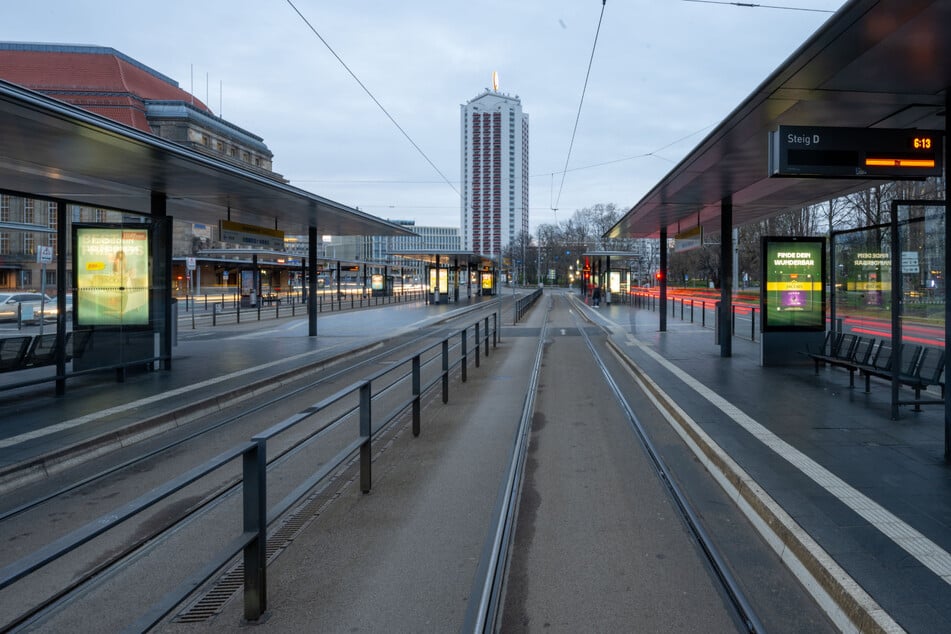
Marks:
<point>665,72</point>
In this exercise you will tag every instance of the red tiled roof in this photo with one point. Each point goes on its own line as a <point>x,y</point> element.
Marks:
<point>99,82</point>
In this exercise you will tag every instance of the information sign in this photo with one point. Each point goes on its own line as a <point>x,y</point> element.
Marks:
<point>44,254</point>
<point>792,297</point>
<point>824,152</point>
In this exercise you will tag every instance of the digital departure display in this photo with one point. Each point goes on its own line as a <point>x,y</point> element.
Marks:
<point>824,152</point>
<point>792,297</point>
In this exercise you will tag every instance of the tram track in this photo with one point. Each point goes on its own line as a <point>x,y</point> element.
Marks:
<point>493,582</point>
<point>190,508</point>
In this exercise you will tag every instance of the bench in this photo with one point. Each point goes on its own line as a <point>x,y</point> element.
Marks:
<point>921,368</point>
<point>13,351</point>
<point>844,351</point>
<point>19,353</point>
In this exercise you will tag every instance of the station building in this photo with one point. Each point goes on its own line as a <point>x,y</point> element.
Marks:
<point>111,84</point>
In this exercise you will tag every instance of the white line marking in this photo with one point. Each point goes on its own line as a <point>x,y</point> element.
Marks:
<point>914,543</point>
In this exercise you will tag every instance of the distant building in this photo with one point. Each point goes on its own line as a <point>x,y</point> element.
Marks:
<point>494,172</point>
<point>113,85</point>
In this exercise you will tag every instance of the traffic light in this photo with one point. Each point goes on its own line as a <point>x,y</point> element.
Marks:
<point>658,276</point>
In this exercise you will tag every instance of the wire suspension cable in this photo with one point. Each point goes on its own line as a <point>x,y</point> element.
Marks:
<point>370,94</point>
<point>580,104</point>
<point>751,5</point>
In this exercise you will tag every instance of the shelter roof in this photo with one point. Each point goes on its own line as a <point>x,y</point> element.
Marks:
<point>55,150</point>
<point>873,64</point>
<point>445,257</point>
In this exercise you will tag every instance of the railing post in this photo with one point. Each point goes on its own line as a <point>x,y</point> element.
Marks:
<point>465,353</point>
<point>417,388</point>
<point>238,313</point>
<point>732,320</point>
<point>703,313</point>
<point>478,343</point>
<point>495,333</point>
<point>693,302</point>
<point>366,433</point>
<point>214,314</point>
<point>753,324</point>
<point>254,463</point>
<point>445,370</point>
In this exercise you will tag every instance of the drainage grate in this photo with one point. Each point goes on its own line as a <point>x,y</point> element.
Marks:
<point>213,601</point>
<point>210,604</point>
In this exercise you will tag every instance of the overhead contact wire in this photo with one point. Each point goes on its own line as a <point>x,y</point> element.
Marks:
<point>584,89</point>
<point>370,94</point>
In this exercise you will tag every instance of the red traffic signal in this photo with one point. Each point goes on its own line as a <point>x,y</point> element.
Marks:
<point>659,275</point>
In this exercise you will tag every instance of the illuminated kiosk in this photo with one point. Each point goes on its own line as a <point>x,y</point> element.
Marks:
<point>792,298</point>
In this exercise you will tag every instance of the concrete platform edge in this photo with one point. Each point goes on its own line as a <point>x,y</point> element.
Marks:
<point>843,599</point>
<point>43,466</point>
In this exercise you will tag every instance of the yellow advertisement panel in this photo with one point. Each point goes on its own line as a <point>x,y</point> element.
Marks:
<point>443,280</point>
<point>112,276</point>
<point>487,281</point>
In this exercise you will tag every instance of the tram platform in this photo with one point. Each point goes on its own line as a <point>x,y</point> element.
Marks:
<point>872,494</point>
<point>846,488</point>
<point>97,412</point>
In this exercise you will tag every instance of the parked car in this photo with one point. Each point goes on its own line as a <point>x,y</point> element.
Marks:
<point>23,305</point>
<point>49,311</point>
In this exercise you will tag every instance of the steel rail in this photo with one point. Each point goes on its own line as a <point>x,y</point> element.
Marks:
<point>486,594</point>
<point>738,599</point>
<point>5,515</point>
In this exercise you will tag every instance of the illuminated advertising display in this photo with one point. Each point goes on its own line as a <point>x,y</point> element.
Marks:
<point>793,294</point>
<point>111,266</point>
<point>376,282</point>
<point>486,281</point>
<point>614,281</point>
<point>443,280</point>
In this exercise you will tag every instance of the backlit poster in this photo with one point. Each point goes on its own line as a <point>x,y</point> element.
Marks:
<point>793,295</point>
<point>443,280</point>
<point>112,276</point>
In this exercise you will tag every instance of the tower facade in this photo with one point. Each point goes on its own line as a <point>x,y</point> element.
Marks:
<point>494,172</point>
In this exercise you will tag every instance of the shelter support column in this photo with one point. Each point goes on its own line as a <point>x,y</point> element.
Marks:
<point>663,280</point>
<point>311,281</point>
<point>947,304</point>
<point>62,239</point>
<point>726,277</point>
<point>159,210</point>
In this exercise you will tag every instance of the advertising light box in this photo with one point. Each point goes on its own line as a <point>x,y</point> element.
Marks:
<point>792,297</point>
<point>111,266</point>
<point>443,280</point>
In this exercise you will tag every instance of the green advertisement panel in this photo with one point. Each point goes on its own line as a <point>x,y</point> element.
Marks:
<point>111,266</point>
<point>792,297</point>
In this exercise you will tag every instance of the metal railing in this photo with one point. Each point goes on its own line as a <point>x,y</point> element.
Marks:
<point>424,370</point>
<point>522,304</point>
<point>689,307</point>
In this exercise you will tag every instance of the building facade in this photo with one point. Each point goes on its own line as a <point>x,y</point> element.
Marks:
<point>494,170</point>
<point>113,85</point>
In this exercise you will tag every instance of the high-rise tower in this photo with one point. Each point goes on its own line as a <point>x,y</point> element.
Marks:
<point>494,172</point>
